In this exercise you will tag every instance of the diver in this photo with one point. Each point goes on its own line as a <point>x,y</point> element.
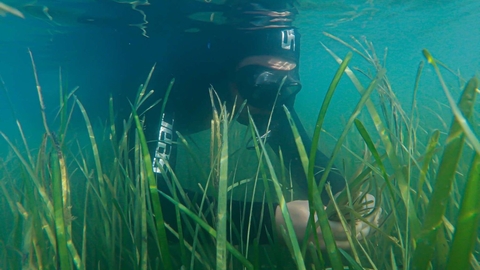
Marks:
<point>245,50</point>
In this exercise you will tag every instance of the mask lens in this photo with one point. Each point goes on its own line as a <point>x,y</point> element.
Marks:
<point>260,85</point>
<point>267,78</point>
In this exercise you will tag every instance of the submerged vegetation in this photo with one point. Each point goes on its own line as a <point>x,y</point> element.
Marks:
<point>70,204</point>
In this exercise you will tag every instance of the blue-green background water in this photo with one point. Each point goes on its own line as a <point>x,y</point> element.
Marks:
<point>116,55</point>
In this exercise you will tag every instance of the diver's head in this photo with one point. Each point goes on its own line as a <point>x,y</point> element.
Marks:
<point>267,74</point>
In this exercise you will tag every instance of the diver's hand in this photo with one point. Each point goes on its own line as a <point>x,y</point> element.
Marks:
<point>300,212</point>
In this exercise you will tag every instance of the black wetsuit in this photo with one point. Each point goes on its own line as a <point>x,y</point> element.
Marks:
<point>205,41</point>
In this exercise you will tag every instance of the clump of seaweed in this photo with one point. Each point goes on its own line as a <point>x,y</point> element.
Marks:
<point>113,217</point>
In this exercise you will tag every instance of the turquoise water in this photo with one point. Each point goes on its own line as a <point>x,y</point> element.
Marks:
<point>115,55</point>
<point>446,28</point>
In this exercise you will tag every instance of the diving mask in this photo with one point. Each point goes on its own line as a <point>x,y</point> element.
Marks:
<point>260,85</point>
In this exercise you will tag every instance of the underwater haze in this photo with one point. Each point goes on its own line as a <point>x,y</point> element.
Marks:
<point>108,47</point>
<point>73,192</point>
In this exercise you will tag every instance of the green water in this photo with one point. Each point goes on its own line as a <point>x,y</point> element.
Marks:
<point>115,56</point>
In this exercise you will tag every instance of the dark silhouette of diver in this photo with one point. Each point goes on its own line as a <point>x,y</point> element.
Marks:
<point>246,50</point>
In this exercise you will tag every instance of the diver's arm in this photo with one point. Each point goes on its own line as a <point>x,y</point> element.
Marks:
<point>299,210</point>
<point>282,138</point>
<point>300,214</point>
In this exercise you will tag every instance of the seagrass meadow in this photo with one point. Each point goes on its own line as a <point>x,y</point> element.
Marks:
<point>89,200</point>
